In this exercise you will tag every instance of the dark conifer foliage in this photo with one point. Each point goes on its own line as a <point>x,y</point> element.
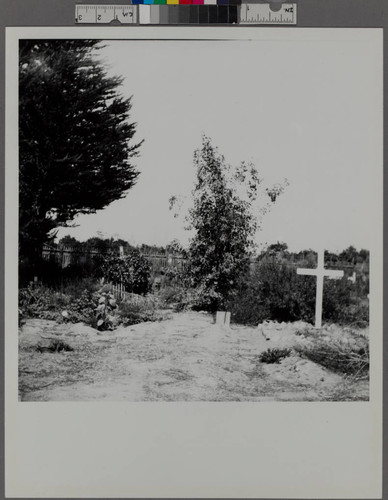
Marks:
<point>75,138</point>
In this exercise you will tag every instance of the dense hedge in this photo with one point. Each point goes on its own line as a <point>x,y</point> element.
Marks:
<point>133,271</point>
<point>276,292</point>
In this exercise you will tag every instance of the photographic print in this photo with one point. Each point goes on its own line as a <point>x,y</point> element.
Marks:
<point>193,263</point>
<point>194,225</point>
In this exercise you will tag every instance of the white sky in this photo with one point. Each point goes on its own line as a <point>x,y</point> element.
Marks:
<point>305,110</point>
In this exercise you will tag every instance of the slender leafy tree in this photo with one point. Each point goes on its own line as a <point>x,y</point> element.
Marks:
<point>225,220</point>
<point>75,138</point>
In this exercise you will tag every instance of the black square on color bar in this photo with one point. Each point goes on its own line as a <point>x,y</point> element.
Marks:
<point>223,14</point>
<point>232,14</point>
<point>193,9</point>
<point>184,14</point>
<point>212,13</point>
<point>203,14</point>
<point>234,2</point>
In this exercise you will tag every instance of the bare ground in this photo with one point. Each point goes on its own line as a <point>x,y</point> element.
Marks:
<point>183,358</point>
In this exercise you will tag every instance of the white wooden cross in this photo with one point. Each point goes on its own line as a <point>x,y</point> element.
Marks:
<point>320,272</point>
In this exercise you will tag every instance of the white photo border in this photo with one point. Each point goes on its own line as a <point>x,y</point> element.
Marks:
<point>171,450</point>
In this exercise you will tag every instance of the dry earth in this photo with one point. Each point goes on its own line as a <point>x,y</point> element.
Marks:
<point>183,358</point>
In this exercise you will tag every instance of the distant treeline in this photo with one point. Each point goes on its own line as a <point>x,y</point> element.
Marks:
<point>106,245</point>
<point>277,251</point>
<point>349,256</point>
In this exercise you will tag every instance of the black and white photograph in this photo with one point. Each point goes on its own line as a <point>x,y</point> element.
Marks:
<point>195,225</point>
<point>193,262</point>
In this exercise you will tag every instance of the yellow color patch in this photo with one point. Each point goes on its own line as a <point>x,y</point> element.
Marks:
<point>172,2</point>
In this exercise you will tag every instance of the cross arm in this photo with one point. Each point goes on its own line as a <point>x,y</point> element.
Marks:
<point>309,272</point>
<point>334,273</point>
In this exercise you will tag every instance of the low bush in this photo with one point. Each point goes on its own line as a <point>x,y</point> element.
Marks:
<point>98,309</point>
<point>42,302</point>
<point>77,287</point>
<point>82,308</point>
<point>274,355</point>
<point>133,271</point>
<point>177,297</point>
<point>276,292</point>
<point>132,312</point>
<point>204,298</point>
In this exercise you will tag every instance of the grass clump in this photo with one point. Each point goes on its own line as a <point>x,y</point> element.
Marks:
<point>55,346</point>
<point>274,355</point>
<point>338,357</point>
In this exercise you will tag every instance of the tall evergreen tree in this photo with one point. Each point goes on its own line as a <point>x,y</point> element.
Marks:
<point>75,138</point>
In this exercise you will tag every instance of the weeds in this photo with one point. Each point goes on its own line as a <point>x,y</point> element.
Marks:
<point>135,311</point>
<point>40,301</point>
<point>275,292</point>
<point>274,355</point>
<point>175,297</point>
<point>348,360</point>
<point>55,346</point>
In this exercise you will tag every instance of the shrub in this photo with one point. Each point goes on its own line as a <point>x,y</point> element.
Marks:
<point>138,311</point>
<point>105,312</point>
<point>80,287</point>
<point>338,357</point>
<point>47,303</point>
<point>276,292</point>
<point>177,297</point>
<point>82,308</point>
<point>78,270</point>
<point>132,271</point>
<point>341,304</point>
<point>42,302</point>
<point>274,355</point>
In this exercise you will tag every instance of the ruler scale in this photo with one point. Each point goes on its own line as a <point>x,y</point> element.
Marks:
<point>167,13</point>
<point>261,13</point>
<point>105,14</point>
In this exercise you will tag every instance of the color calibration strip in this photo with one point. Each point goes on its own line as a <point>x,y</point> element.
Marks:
<point>188,14</point>
<point>167,12</point>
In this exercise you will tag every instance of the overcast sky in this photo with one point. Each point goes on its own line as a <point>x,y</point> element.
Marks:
<point>306,111</point>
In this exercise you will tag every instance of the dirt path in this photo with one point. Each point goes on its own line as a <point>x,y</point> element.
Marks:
<point>183,358</point>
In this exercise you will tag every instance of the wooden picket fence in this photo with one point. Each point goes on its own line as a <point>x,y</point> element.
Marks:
<point>66,256</point>
<point>118,291</point>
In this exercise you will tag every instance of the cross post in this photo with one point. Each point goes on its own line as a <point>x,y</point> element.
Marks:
<point>320,272</point>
